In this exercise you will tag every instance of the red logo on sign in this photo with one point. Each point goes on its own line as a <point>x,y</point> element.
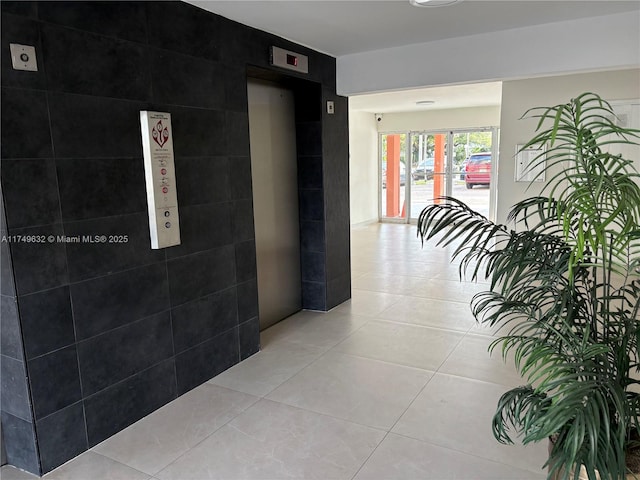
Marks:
<point>160,133</point>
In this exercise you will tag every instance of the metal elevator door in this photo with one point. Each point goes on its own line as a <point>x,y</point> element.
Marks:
<point>274,175</point>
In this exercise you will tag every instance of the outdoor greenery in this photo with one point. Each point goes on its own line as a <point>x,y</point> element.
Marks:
<point>564,290</point>
<point>464,144</point>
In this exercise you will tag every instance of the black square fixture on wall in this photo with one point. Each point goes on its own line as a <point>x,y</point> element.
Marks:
<point>97,335</point>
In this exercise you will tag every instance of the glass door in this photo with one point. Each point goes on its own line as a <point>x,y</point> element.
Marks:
<point>464,174</point>
<point>429,167</point>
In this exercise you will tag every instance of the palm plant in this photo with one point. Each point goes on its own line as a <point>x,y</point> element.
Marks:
<point>565,287</point>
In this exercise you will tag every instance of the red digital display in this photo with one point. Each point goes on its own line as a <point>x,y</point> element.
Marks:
<point>292,60</point>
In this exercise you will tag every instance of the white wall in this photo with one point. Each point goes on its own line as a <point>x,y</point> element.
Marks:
<point>603,43</point>
<point>441,119</point>
<point>363,167</point>
<point>363,147</point>
<point>520,95</point>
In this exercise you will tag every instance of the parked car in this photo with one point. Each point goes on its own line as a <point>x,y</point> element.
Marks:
<point>424,170</point>
<point>478,169</point>
<point>463,168</point>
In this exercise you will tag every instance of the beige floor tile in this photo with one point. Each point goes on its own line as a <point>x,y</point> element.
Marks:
<point>471,359</point>
<point>322,330</point>
<point>387,283</point>
<point>402,458</point>
<point>404,344</point>
<point>271,367</point>
<point>367,303</point>
<point>431,313</point>
<point>456,413</point>
<point>93,466</point>
<point>8,472</point>
<point>275,441</point>
<point>360,390</point>
<point>449,290</point>
<point>158,439</point>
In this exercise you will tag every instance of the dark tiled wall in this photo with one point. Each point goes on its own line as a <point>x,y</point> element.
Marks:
<point>96,336</point>
<point>17,417</point>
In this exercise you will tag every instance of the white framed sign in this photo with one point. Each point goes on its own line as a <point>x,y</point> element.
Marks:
<point>529,164</point>
<point>160,179</point>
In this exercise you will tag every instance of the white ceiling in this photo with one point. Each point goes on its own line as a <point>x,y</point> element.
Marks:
<point>343,27</point>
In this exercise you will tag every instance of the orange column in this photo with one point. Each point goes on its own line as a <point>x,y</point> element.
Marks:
<point>438,167</point>
<point>393,175</point>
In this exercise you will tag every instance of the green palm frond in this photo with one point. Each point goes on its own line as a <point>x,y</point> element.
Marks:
<point>564,288</point>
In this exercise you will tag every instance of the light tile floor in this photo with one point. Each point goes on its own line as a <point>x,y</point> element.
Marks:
<point>394,384</point>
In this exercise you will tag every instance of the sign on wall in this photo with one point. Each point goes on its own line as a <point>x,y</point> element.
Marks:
<point>530,164</point>
<point>160,179</point>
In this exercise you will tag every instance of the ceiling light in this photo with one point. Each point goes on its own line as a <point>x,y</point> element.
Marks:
<point>425,102</point>
<point>433,3</point>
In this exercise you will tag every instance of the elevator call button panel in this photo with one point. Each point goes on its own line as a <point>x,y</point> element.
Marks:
<point>160,179</point>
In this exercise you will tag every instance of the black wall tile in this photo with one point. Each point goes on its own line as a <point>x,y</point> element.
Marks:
<point>101,187</point>
<point>36,181</point>
<point>125,351</point>
<point>309,138</point>
<point>249,338</point>
<point>61,437</point>
<point>327,67</point>
<point>245,261</point>
<point>311,205</point>
<point>79,62</point>
<point>22,31</point>
<point>243,228</point>
<point>39,266</point>
<point>198,132</point>
<point>312,265</point>
<point>14,395</point>
<point>119,406</point>
<point>235,79</point>
<point>20,442</point>
<point>237,130</point>
<point>312,236</point>
<point>47,321</point>
<point>310,172</point>
<point>203,319</point>
<point>203,227</point>
<point>244,46</point>
<point>7,284</point>
<point>247,300</point>
<point>93,127</point>
<point>184,28</point>
<point>240,177</point>
<point>3,216</point>
<point>339,246</point>
<point>128,245</point>
<point>337,205</point>
<point>200,274</point>
<point>202,180</point>
<point>27,9</point>
<point>338,290</point>
<point>55,381</point>
<point>96,50</point>
<point>126,20</point>
<point>10,336</point>
<point>109,302</point>
<point>185,80</point>
<point>314,296</point>
<point>199,364</point>
<point>308,102</point>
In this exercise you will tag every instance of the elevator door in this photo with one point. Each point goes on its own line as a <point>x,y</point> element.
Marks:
<point>275,200</point>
